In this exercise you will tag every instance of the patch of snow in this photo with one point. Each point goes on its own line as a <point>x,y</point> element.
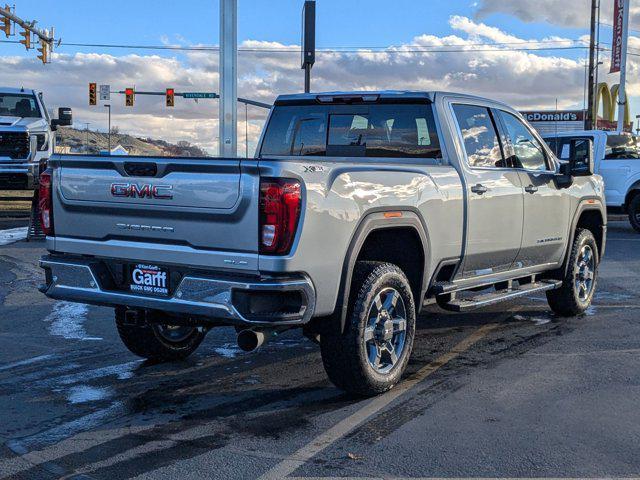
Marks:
<point>13,235</point>
<point>228,350</point>
<point>25,362</point>
<point>121,371</point>
<point>67,319</point>
<point>86,393</point>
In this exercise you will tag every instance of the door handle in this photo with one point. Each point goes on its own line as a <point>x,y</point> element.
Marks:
<point>531,189</point>
<point>479,189</point>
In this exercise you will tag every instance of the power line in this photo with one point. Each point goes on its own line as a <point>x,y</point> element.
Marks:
<point>451,48</point>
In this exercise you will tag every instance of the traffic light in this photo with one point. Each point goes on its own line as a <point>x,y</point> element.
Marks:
<point>5,24</point>
<point>44,51</point>
<point>129,97</point>
<point>26,41</point>
<point>171,97</point>
<point>93,98</point>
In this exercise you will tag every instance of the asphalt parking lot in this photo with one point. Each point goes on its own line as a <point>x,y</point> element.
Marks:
<point>510,391</point>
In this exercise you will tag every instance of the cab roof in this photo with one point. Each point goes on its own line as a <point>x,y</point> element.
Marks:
<point>378,96</point>
<point>17,90</point>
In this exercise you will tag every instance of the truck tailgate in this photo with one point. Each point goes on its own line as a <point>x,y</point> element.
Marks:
<point>165,210</point>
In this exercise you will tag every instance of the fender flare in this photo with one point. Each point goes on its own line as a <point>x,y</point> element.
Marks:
<point>584,206</point>
<point>372,221</point>
<point>634,187</point>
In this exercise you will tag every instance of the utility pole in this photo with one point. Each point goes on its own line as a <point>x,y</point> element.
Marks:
<point>108,106</point>
<point>592,61</point>
<point>228,116</point>
<point>622,94</point>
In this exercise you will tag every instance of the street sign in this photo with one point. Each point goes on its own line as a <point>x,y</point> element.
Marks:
<point>199,95</point>
<point>105,92</point>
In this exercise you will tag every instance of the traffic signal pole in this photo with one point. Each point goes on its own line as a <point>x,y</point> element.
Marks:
<point>45,37</point>
<point>228,114</point>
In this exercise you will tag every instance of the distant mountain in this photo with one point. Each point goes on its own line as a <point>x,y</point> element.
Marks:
<point>92,142</point>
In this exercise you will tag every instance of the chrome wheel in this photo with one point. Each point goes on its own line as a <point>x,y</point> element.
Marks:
<point>174,333</point>
<point>386,330</point>
<point>585,273</point>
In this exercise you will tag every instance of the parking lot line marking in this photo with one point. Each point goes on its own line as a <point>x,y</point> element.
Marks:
<point>342,428</point>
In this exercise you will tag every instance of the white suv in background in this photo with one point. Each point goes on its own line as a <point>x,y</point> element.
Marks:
<point>26,136</point>
<point>617,160</point>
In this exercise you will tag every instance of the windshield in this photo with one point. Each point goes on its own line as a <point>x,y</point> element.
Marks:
<point>19,105</point>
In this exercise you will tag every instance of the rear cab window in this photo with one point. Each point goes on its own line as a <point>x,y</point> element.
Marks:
<point>376,130</point>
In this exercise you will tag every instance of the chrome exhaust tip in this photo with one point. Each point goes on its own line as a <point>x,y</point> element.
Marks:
<point>251,340</point>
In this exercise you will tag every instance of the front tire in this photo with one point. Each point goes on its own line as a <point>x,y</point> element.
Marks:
<point>579,283</point>
<point>371,355</point>
<point>157,341</point>
<point>634,213</point>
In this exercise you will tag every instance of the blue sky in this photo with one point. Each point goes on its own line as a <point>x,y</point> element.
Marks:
<point>340,22</point>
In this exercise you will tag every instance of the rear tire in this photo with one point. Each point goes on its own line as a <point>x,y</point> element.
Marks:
<point>157,341</point>
<point>579,283</point>
<point>371,355</point>
<point>634,213</point>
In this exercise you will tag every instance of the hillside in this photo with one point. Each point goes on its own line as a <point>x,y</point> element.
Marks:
<point>83,141</point>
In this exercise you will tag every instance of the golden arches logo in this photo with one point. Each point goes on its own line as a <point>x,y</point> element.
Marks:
<point>609,99</point>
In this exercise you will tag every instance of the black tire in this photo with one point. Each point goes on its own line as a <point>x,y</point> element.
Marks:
<point>346,356</point>
<point>634,213</point>
<point>571,299</point>
<point>152,340</point>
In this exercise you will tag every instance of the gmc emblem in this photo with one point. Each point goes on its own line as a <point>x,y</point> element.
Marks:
<point>133,190</point>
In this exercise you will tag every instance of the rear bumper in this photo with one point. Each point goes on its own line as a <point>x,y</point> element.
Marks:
<point>235,301</point>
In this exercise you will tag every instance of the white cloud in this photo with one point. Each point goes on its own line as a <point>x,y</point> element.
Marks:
<point>566,13</point>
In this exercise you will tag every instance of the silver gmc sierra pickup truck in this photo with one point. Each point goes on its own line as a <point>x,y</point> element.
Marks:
<point>358,210</point>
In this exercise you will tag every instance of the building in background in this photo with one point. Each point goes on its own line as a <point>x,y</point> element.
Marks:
<point>549,122</point>
<point>557,121</point>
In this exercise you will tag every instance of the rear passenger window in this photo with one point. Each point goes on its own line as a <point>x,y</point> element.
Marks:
<point>479,136</point>
<point>527,150</point>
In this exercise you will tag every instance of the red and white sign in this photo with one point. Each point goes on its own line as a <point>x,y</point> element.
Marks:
<point>616,44</point>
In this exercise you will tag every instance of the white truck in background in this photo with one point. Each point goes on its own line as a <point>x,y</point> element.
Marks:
<point>617,160</point>
<point>27,136</point>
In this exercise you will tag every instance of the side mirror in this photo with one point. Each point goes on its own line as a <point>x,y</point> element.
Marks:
<point>65,118</point>
<point>581,162</point>
<point>563,178</point>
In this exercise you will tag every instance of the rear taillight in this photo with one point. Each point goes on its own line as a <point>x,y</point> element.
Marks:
<point>45,203</point>
<point>280,202</point>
